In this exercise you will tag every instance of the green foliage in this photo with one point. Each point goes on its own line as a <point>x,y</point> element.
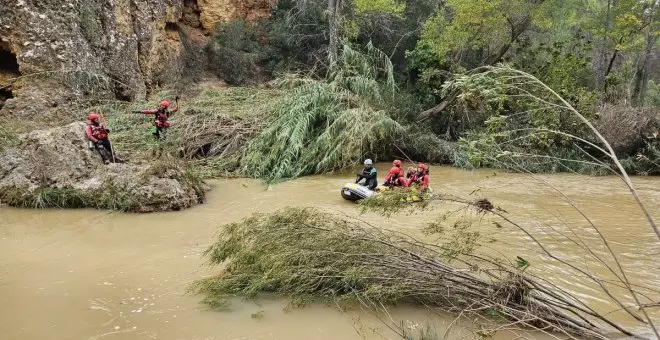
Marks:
<point>308,255</point>
<point>534,130</point>
<point>653,94</point>
<point>297,35</point>
<point>476,25</point>
<point>563,66</point>
<point>393,201</point>
<point>423,144</point>
<point>620,25</point>
<point>521,263</point>
<point>327,125</point>
<point>106,197</point>
<point>236,54</point>
<point>647,160</point>
<point>380,6</point>
<point>211,130</point>
<point>7,139</point>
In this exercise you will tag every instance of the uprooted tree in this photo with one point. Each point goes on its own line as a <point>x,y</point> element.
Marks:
<point>308,255</point>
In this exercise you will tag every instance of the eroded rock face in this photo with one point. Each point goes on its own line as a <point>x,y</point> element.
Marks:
<point>75,50</point>
<point>86,48</point>
<point>59,159</point>
<point>213,12</point>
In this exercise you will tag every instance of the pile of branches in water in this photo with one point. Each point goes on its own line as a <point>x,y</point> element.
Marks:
<point>308,255</point>
<point>199,135</point>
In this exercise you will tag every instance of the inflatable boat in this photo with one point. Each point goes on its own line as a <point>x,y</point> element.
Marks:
<point>355,192</point>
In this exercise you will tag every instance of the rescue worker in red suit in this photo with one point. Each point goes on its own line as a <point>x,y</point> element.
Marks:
<point>97,134</point>
<point>162,115</point>
<point>395,177</point>
<point>420,178</point>
<point>411,172</point>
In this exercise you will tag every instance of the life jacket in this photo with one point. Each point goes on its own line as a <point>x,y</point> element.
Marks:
<point>161,119</point>
<point>395,179</point>
<point>394,170</point>
<point>367,172</point>
<point>418,177</point>
<point>98,131</point>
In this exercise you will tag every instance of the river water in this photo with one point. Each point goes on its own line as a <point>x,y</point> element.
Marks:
<point>84,274</point>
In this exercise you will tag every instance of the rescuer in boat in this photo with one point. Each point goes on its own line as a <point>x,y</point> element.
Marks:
<point>395,177</point>
<point>411,172</point>
<point>421,178</point>
<point>369,175</point>
<point>162,115</point>
<point>97,134</point>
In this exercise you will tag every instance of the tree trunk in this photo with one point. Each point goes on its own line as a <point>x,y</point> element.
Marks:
<point>437,109</point>
<point>644,76</point>
<point>333,48</point>
<point>516,31</point>
<point>609,69</point>
<point>603,54</point>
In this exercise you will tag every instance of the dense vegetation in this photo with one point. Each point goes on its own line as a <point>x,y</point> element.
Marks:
<point>409,77</point>
<point>321,85</point>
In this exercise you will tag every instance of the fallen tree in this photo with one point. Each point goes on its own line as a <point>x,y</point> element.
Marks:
<point>308,255</point>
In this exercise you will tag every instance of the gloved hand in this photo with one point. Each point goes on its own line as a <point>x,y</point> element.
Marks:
<point>136,111</point>
<point>107,130</point>
<point>90,145</point>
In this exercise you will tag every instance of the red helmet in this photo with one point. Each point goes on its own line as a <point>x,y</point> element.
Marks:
<point>164,103</point>
<point>93,116</point>
<point>422,166</point>
<point>397,162</point>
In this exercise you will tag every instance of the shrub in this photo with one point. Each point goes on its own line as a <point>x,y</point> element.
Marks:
<point>235,53</point>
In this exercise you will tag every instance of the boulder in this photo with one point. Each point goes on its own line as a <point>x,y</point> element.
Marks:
<point>55,168</point>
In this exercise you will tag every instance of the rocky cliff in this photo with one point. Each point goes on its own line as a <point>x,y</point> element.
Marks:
<point>65,51</point>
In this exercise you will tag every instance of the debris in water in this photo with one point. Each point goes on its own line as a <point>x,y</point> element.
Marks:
<point>116,327</point>
<point>484,204</point>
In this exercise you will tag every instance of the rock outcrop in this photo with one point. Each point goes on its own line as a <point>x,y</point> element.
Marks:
<point>57,162</point>
<point>81,50</point>
<point>212,12</point>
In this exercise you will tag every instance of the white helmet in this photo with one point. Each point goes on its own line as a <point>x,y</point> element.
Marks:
<point>368,162</point>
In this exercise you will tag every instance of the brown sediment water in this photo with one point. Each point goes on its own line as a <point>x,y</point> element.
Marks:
<point>85,274</point>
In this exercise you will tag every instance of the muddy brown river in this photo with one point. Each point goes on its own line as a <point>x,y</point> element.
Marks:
<point>84,274</point>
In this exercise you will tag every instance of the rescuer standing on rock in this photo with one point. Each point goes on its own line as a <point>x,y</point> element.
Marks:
<point>97,134</point>
<point>162,115</point>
